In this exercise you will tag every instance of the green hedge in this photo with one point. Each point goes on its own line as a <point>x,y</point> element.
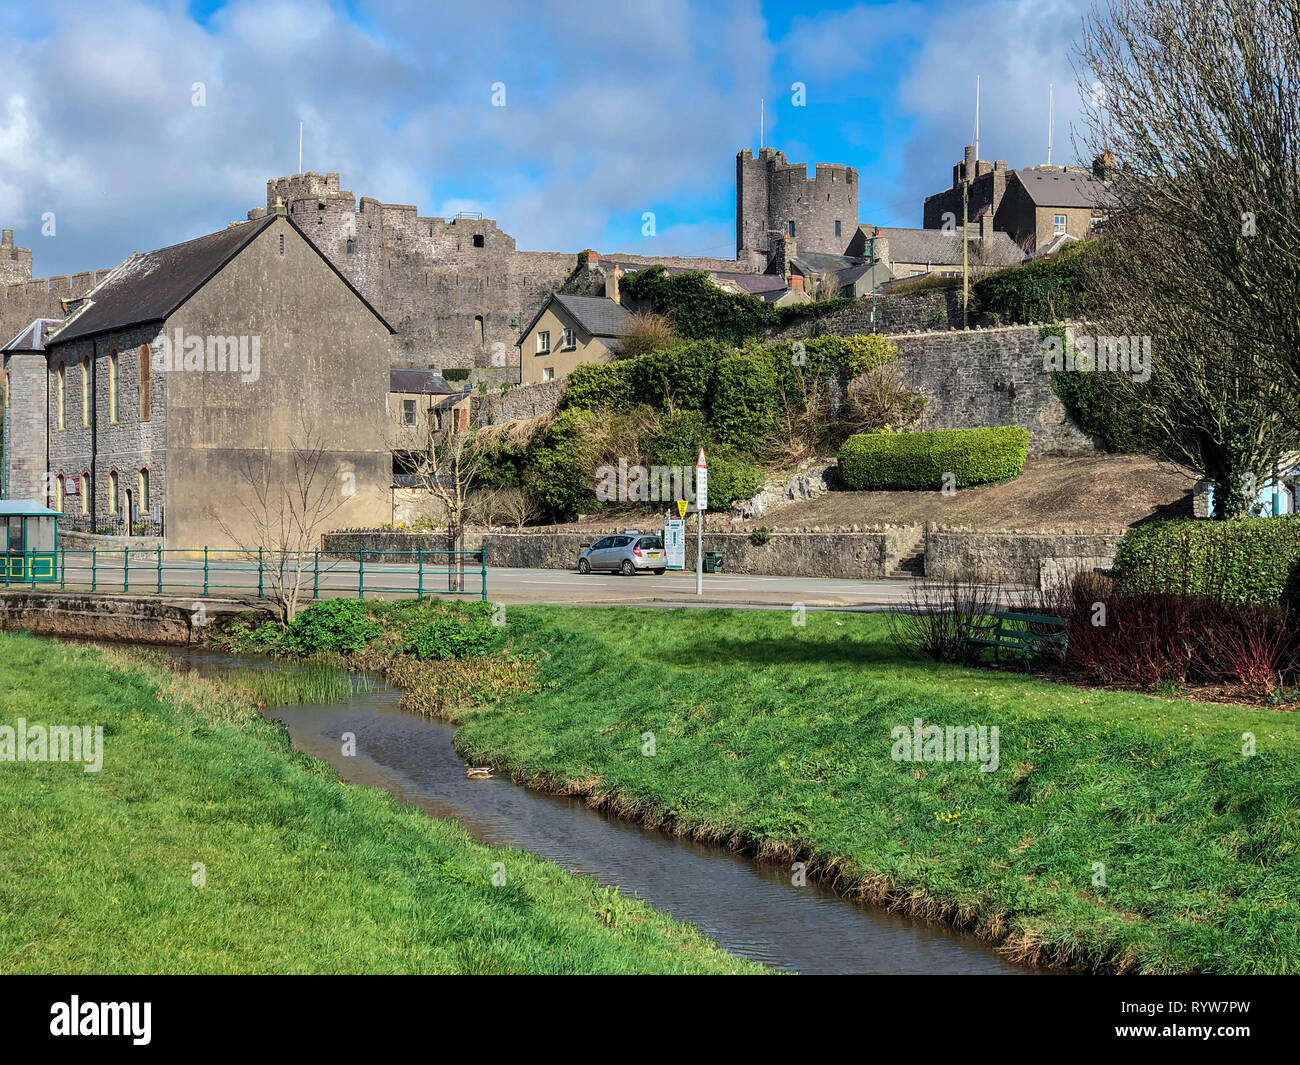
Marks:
<point>1248,560</point>
<point>880,461</point>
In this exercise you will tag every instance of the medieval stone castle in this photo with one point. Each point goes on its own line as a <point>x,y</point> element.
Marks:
<point>458,290</point>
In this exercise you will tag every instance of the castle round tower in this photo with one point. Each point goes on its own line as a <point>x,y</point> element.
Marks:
<point>777,198</point>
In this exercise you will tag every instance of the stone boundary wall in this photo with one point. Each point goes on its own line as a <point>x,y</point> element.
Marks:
<point>521,401</point>
<point>1037,560</point>
<point>136,618</point>
<point>908,312</point>
<point>984,377</point>
<point>23,301</point>
<point>846,556</point>
<point>1034,559</point>
<point>80,541</point>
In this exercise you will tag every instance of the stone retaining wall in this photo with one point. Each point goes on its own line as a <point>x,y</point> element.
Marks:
<point>1036,560</point>
<point>847,556</point>
<point>135,618</point>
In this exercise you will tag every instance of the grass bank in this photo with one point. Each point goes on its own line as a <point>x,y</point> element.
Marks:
<point>300,873</point>
<point>1119,831</point>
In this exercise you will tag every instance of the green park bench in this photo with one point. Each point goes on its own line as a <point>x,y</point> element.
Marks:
<point>1022,634</point>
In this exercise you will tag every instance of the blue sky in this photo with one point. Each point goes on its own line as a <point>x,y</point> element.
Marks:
<point>609,112</point>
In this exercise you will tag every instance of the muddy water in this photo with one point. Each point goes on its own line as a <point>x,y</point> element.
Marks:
<point>749,907</point>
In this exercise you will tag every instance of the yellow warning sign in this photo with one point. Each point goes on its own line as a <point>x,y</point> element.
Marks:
<point>681,508</point>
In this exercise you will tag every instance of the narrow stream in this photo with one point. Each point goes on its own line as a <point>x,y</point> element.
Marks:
<point>749,907</point>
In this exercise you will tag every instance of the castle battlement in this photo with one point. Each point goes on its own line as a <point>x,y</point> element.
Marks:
<point>15,263</point>
<point>773,195</point>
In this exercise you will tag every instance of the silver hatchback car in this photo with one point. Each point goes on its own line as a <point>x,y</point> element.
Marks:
<point>626,552</point>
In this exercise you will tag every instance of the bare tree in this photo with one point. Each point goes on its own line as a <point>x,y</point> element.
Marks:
<point>446,463</point>
<point>288,505</point>
<point>1197,102</point>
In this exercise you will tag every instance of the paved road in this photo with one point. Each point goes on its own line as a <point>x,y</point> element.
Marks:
<point>339,578</point>
<point>678,589</point>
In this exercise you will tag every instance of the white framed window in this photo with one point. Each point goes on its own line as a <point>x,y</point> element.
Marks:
<point>543,343</point>
<point>1058,224</point>
<point>570,340</point>
<point>548,373</point>
<point>408,411</point>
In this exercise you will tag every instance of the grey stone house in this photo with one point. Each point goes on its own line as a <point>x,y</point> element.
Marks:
<point>191,376</point>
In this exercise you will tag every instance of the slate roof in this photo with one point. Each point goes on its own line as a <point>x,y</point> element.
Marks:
<point>1057,188</point>
<point>32,337</point>
<point>150,287</point>
<point>938,248</point>
<point>814,262</point>
<point>423,382</point>
<point>599,316</point>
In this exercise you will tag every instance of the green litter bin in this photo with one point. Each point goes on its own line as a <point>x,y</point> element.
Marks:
<point>712,561</point>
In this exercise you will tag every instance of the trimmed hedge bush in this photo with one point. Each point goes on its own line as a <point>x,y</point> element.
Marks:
<point>1248,560</point>
<point>881,461</point>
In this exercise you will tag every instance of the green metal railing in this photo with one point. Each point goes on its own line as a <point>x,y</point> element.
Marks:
<point>263,572</point>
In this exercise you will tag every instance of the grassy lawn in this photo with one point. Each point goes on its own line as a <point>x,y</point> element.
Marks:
<point>780,737</point>
<point>303,874</point>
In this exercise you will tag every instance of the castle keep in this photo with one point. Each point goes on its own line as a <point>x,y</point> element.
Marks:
<point>775,198</point>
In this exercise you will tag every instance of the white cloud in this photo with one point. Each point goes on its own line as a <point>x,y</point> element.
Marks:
<point>610,111</point>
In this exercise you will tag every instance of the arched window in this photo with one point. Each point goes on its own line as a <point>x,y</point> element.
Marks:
<point>85,394</point>
<point>62,401</point>
<point>59,491</point>
<point>112,491</point>
<point>85,491</point>
<point>144,490</point>
<point>146,383</point>
<point>112,386</point>
<point>478,328</point>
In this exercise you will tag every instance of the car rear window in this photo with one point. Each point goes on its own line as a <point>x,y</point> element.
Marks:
<point>652,542</point>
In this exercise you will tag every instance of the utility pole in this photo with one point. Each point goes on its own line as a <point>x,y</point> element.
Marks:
<point>965,252</point>
<point>875,231</point>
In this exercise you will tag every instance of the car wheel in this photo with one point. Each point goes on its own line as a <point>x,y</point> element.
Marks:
<point>584,566</point>
<point>658,572</point>
<point>627,568</point>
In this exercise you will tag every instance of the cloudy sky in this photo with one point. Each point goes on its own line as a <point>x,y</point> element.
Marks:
<point>610,110</point>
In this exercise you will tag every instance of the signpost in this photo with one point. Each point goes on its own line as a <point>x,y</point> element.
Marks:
<point>701,505</point>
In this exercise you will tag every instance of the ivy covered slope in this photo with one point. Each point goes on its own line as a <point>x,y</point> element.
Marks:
<point>750,406</point>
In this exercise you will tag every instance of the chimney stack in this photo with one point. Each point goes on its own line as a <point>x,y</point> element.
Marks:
<point>611,283</point>
<point>796,282</point>
<point>593,259</point>
<point>986,227</point>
